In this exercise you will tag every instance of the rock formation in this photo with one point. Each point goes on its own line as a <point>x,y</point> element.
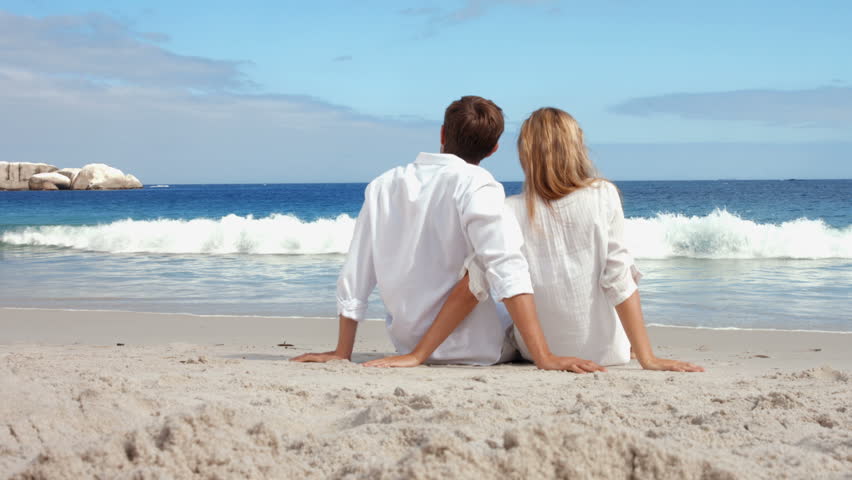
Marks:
<point>16,175</point>
<point>49,181</point>
<point>41,176</point>
<point>70,173</point>
<point>97,176</point>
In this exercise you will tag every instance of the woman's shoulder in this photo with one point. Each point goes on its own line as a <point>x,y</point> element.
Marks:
<point>603,185</point>
<point>608,188</point>
<point>516,204</point>
<point>599,189</point>
<point>611,192</point>
<point>601,192</point>
<point>515,200</point>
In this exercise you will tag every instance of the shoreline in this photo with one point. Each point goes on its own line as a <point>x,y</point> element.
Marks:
<point>181,396</point>
<point>314,317</point>
<point>773,348</point>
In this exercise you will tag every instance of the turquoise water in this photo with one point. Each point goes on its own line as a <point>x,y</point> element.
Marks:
<point>745,254</point>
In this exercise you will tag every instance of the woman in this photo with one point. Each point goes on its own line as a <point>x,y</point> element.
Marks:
<point>584,279</point>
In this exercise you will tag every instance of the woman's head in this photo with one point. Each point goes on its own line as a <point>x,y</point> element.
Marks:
<point>553,156</point>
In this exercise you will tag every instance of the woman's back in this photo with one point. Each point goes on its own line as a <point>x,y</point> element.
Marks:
<point>580,270</point>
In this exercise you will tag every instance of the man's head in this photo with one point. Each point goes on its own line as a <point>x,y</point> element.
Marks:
<point>472,127</point>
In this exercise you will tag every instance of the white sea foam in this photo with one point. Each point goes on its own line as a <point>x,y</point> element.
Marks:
<point>275,234</point>
<point>724,235</point>
<point>717,235</point>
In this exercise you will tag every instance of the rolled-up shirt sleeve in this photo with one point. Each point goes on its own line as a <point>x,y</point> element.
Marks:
<point>358,276</point>
<point>620,275</point>
<point>496,240</point>
<point>477,283</point>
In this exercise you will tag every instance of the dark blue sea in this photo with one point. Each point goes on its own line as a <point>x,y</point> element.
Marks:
<point>719,254</point>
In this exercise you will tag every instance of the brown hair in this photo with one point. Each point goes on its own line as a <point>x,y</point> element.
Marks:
<point>553,156</point>
<point>472,127</point>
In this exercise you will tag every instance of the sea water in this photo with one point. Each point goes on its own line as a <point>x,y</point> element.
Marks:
<point>719,254</point>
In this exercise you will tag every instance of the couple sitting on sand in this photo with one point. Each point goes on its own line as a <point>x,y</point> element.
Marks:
<point>444,245</point>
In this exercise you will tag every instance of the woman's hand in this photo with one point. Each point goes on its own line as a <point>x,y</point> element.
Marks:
<point>669,365</point>
<point>397,361</point>
<point>319,357</point>
<point>630,313</point>
<point>569,364</point>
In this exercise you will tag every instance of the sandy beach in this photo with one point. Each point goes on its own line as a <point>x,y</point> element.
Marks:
<point>128,395</point>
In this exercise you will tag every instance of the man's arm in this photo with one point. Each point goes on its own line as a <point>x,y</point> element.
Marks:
<point>354,286</point>
<point>457,307</point>
<point>345,344</point>
<point>522,309</point>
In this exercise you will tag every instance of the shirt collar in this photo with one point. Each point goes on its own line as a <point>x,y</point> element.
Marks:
<point>437,159</point>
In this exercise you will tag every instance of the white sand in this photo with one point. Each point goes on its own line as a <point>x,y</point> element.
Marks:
<point>213,397</point>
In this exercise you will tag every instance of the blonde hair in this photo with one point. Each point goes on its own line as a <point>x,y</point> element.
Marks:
<point>553,156</point>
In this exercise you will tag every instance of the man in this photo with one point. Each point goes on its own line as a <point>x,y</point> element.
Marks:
<point>417,228</point>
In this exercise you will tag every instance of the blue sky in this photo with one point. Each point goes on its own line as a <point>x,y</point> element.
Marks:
<point>291,91</point>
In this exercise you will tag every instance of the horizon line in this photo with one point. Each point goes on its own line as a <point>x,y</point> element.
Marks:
<point>151,184</point>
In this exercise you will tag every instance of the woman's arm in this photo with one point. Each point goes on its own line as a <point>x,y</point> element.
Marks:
<point>619,280</point>
<point>630,313</point>
<point>457,307</point>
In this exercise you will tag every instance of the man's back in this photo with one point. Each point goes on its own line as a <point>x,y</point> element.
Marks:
<point>418,228</point>
<point>418,225</point>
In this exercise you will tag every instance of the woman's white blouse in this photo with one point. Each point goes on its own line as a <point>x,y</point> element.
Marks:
<point>580,270</point>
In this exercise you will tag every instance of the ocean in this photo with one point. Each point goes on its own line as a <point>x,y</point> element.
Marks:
<point>716,254</point>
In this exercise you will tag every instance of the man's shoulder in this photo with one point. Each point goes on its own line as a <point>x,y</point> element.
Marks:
<point>387,177</point>
<point>453,165</point>
<point>465,173</point>
<point>473,172</point>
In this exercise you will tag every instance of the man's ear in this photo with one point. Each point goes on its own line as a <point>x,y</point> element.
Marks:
<point>494,150</point>
<point>442,137</point>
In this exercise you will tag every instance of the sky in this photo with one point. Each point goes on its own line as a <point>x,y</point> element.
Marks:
<point>339,91</point>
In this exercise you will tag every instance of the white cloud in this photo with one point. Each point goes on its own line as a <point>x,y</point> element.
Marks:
<point>466,11</point>
<point>82,89</point>
<point>824,107</point>
<point>96,46</point>
<point>171,135</point>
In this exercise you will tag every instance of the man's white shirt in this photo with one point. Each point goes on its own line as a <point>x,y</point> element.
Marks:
<point>418,226</point>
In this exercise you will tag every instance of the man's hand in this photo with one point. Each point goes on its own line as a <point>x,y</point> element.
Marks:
<point>319,357</point>
<point>345,341</point>
<point>398,361</point>
<point>570,364</point>
<point>522,309</point>
<point>669,365</point>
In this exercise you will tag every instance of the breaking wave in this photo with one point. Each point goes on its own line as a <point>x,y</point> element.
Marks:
<point>275,234</point>
<point>724,235</point>
<point>717,235</point>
